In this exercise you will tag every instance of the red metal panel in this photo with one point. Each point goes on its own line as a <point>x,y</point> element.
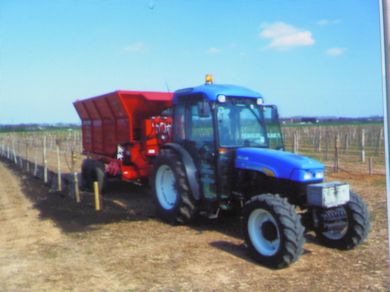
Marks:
<point>123,131</point>
<point>81,110</point>
<point>113,130</point>
<point>96,129</point>
<point>142,105</point>
<point>110,141</point>
<point>87,135</point>
<point>124,120</point>
<point>117,118</point>
<point>102,107</point>
<point>85,125</point>
<point>91,109</point>
<point>149,95</point>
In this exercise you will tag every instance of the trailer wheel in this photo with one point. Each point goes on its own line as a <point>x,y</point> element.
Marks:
<point>353,231</point>
<point>171,191</point>
<point>86,169</point>
<point>92,171</point>
<point>273,231</point>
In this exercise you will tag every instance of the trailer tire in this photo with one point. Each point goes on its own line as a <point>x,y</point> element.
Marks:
<point>273,231</point>
<point>171,192</point>
<point>91,171</point>
<point>86,169</point>
<point>356,229</point>
<point>99,176</point>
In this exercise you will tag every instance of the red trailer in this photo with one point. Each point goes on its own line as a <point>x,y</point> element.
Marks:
<point>122,131</point>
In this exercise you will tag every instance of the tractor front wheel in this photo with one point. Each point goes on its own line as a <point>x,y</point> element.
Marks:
<point>352,230</point>
<point>273,231</point>
<point>172,195</point>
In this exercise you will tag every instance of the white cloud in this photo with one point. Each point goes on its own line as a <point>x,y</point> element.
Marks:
<point>335,52</point>
<point>213,50</point>
<point>138,47</point>
<point>324,22</point>
<point>285,36</point>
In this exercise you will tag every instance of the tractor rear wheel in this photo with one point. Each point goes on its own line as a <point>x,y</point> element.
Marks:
<point>273,231</point>
<point>351,231</point>
<point>172,194</point>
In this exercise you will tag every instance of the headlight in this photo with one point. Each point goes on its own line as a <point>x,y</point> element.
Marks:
<point>303,175</point>
<point>221,98</point>
<point>320,174</point>
<point>308,175</point>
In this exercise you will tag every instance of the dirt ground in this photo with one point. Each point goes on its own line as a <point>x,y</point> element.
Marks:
<point>50,243</point>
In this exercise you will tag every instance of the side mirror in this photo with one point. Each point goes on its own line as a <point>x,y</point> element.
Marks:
<point>204,109</point>
<point>270,113</point>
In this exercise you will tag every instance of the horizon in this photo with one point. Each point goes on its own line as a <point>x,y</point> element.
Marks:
<point>78,123</point>
<point>327,63</point>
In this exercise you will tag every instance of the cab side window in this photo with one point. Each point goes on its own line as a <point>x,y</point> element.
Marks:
<point>200,127</point>
<point>178,123</point>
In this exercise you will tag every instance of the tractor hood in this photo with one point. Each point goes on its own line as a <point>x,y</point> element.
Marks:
<point>280,164</point>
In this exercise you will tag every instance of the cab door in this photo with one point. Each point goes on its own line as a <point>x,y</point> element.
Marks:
<point>193,129</point>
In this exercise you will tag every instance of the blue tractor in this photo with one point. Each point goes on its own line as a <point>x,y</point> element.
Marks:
<point>227,153</point>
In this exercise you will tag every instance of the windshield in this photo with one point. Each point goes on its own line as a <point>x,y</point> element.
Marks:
<point>241,123</point>
<point>274,132</point>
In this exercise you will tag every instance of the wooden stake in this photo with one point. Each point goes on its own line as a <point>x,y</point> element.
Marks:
<point>295,143</point>
<point>370,166</point>
<point>14,151</point>
<point>327,146</point>
<point>59,182</point>
<point>44,161</point>
<point>27,162</point>
<point>35,163</point>
<point>363,152</point>
<point>379,141</point>
<point>73,160</point>
<point>97,195</point>
<point>76,187</point>
<point>319,140</point>
<point>336,154</point>
<point>20,151</point>
<point>346,143</point>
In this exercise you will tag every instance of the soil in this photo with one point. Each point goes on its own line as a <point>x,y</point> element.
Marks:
<point>50,243</point>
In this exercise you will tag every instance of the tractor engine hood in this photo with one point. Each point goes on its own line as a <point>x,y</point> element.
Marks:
<point>280,164</point>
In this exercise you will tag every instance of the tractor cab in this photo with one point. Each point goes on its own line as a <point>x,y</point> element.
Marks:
<point>211,122</point>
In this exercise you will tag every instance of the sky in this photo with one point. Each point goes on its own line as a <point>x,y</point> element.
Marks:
<point>311,58</point>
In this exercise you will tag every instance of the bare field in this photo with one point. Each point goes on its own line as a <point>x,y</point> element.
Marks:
<point>48,242</point>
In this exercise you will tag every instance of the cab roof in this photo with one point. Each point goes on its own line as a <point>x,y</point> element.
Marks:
<point>211,91</point>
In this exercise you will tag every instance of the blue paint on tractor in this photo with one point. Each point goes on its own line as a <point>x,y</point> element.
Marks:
<point>211,92</point>
<point>280,164</point>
